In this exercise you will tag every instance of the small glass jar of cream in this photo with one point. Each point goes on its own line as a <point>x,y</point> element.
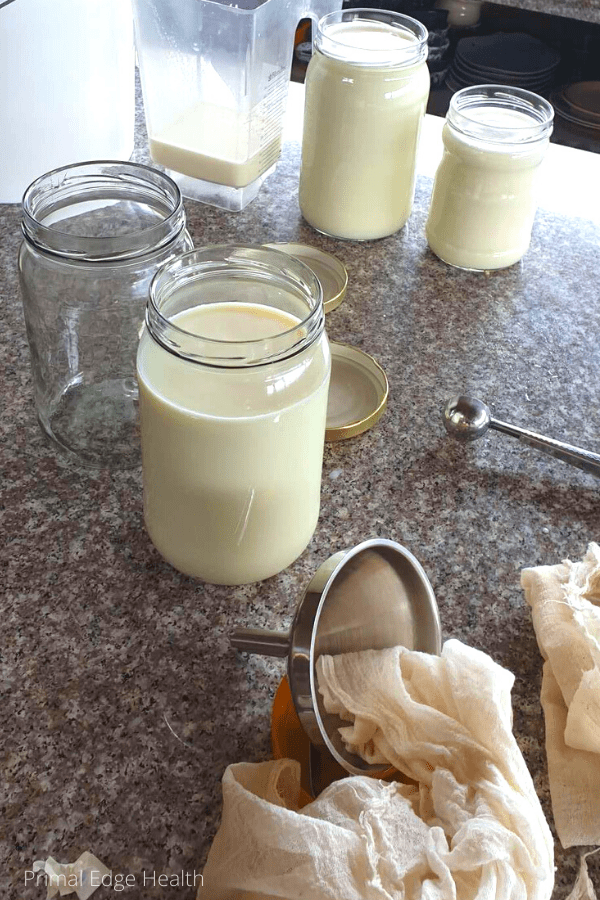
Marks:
<point>484,196</point>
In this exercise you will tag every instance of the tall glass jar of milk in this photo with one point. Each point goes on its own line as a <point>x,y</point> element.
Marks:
<point>484,195</point>
<point>367,86</point>
<point>233,371</point>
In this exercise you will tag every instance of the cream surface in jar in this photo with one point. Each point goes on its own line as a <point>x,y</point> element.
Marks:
<point>232,454</point>
<point>367,86</point>
<point>484,196</point>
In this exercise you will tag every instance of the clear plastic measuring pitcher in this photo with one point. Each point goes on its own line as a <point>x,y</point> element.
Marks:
<point>215,79</point>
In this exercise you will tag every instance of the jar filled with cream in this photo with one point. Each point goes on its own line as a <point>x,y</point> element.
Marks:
<point>233,369</point>
<point>367,86</point>
<point>484,194</point>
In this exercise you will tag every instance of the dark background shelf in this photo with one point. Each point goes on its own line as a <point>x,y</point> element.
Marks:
<point>577,42</point>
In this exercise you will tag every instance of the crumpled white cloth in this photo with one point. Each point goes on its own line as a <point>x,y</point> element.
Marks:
<point>565,604</point>
<point>472,830</point>
<point>583,889</point>
<point>81,877</point>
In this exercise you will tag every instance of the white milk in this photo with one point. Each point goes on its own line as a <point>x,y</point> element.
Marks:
<point>361,131</point>
<point>232,458</point>
<point>211,142</point>
<point>484,199</point>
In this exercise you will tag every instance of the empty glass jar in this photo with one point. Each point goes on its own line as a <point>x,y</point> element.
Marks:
<point>94,236</point>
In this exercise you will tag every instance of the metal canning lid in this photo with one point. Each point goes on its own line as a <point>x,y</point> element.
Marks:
<point>330,271</point>
<point>358,392</point>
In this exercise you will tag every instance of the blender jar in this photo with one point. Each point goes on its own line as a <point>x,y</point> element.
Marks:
<point>215,80</point>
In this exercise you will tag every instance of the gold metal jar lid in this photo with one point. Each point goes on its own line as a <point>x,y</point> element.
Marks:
<point>330,271</point>
<point>358,392</point>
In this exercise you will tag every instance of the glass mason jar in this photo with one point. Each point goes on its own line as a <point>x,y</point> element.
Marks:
<point>367,86</point>
<point>94,236</point>
<point>233,370</point>
<point>484,194</point>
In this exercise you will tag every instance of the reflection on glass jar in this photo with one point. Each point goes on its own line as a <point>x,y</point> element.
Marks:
<point>233,369</point>
<point>484,194</point>
<point>95,234</point>
<point>367,86</point>
<point>461,13</point>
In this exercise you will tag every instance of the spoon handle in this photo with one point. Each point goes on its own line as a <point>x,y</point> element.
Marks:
<point>575,456</point>
<point>261,641</point>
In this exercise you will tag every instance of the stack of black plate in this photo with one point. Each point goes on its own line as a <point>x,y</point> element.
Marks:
<point>515,59</point>
<point>579,104</point>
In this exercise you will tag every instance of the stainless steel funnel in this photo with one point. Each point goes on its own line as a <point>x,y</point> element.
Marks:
<point>374,596</point>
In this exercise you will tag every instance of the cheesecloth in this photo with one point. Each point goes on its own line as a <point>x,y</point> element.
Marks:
<point>472,829</point>
<point>565,604</point>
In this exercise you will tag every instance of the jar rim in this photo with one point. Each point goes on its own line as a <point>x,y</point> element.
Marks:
<point>370,57</point>
<point>94,181</point>
<point>212,261</point>
<point>533,122</point>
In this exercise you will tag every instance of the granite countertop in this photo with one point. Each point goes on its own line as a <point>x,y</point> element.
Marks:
<point>584,10</point>
<point>122,701</point>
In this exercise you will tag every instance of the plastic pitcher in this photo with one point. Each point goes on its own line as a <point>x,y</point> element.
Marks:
<point>215,79</point>
<point>67,89</point>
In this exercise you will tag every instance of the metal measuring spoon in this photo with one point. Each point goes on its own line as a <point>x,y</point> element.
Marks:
<point>467,419</point>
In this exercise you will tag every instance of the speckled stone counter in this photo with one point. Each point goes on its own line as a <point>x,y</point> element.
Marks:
<point>584,10</point>
<point>122,702</point>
